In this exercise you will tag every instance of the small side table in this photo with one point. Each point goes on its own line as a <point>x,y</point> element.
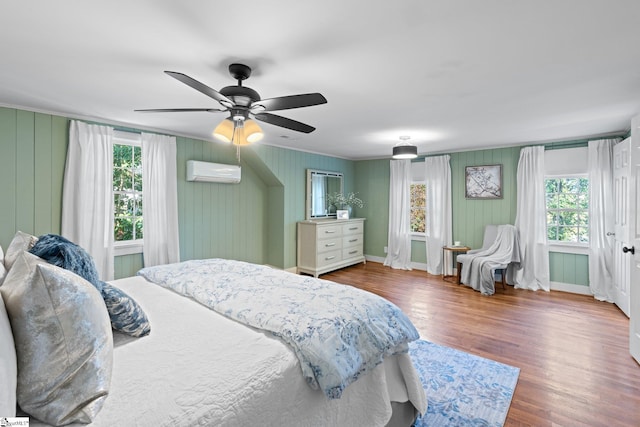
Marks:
<point>454,251</point>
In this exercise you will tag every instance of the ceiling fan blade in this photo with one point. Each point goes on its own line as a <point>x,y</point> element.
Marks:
<point>200,87</point>
<point>180,110</point>
<point>284,122</point>
<point>288,102</point>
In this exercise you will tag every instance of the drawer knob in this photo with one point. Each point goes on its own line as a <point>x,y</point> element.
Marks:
<point>329,231</point>
<point>353,228</point>
<point>353,252</point>
<point>329,257</point>
<point>353,240</point>
<point>328,245</point>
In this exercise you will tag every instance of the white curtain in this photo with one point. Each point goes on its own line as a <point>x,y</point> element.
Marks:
<point>160,202</point>
<point>601,219</point>
<point>399,245</point>
<point>533,272</point>
<point>439,228</point>
<point>87,202</point>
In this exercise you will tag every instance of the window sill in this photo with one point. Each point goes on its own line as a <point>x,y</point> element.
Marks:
<point>418,237</point>
<point>568,248</point>
<point>131,248</point>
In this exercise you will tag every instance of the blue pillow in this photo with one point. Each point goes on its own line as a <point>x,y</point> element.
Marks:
<point>63,253</point>
<point>125,313</point>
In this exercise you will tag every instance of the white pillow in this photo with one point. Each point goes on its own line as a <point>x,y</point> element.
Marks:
<point>21,242</point>
<point>63,341</point>
<point>3,271</point>
<point>8,365</point>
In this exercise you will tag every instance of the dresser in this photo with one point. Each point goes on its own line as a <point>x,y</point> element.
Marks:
<point>326,245</point>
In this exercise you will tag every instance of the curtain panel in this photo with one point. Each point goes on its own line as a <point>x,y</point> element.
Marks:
<point>601,219</point>
<point>533,272</point>
<point>160,192</point>
<point>87,202</point>
<point>399,240</point>
<point>439,222</point>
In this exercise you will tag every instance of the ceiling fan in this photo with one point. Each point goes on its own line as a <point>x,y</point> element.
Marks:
<point>244,103</point>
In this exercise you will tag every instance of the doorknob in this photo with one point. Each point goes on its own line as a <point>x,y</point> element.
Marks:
<point>632,249</point>
<point>610,233</point>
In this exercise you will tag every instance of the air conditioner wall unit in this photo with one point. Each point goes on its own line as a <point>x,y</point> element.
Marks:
<point>212,172</point>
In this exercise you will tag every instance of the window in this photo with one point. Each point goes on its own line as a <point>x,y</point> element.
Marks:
<point>567,209</point>
<point>127,194</point>
<point>418,207</point>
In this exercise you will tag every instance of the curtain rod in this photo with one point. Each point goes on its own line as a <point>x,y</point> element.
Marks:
<point>547,146</point>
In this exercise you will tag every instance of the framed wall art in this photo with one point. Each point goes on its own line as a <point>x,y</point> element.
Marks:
<point>483,182</point>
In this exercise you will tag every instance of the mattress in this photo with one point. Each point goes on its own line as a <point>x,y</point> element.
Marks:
<point>200,368</point>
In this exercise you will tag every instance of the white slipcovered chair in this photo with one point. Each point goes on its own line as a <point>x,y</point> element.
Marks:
<point>500,251</point>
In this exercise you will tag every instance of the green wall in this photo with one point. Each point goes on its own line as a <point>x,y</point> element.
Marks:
<point>290,168</point>
<point>34,149</point>
<point>220,220</point>
<point>569,268</point>
<point>372,185</point>
<point>469,215</point>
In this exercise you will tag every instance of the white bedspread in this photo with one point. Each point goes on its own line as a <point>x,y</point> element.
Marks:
<point>200,368</point>
<point>338,332</point>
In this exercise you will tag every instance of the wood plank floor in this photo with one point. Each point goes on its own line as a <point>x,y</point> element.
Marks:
<point>572,351</point>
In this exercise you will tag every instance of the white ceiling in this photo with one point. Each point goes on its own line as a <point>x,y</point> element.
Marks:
<point>452,74</point>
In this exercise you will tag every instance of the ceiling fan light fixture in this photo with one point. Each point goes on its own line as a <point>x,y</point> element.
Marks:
<point>224,131</point>
<point>252,131</point>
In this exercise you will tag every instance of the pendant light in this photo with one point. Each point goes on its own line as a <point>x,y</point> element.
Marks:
<point>404,150</point>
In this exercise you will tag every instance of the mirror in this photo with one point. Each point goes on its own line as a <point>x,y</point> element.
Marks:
<point>319,185</point>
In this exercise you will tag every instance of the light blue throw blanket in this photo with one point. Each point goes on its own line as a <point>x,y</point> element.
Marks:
<point>338,332</point>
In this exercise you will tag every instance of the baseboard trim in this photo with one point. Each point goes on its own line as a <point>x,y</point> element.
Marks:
<point>374,258</point>
<point>570,287</point>
<point>414,265</point>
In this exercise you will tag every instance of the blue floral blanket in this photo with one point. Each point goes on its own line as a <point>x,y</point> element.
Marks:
<point>338,332</point>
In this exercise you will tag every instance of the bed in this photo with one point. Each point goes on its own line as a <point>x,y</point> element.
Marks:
<point>199,367</point>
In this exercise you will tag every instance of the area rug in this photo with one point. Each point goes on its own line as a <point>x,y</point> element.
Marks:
<point>462,389</point>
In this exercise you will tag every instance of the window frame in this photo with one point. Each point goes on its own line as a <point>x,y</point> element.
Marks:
<point>126,247</point>
<point>560,246</point>
<point>416,235</point>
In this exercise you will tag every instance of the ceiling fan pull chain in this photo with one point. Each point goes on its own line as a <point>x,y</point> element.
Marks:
<point>238,153</point>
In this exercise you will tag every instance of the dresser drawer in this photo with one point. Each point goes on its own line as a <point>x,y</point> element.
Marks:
<point>327,258</point>
<point>353,228</point>
<point>326,231</point>
<point>332,244</point>
<point>351,241</point>
<point>352,252</point>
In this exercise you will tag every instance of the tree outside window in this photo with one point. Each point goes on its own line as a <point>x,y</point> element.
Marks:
<point>567,209</point>
<point>127,192</point>
<point>418,207</point>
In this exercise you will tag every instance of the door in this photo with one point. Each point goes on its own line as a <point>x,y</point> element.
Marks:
<point>621,261</point>
<point>634,234</point>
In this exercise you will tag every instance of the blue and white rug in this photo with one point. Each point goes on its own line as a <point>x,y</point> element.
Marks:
<point>462,389</point>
